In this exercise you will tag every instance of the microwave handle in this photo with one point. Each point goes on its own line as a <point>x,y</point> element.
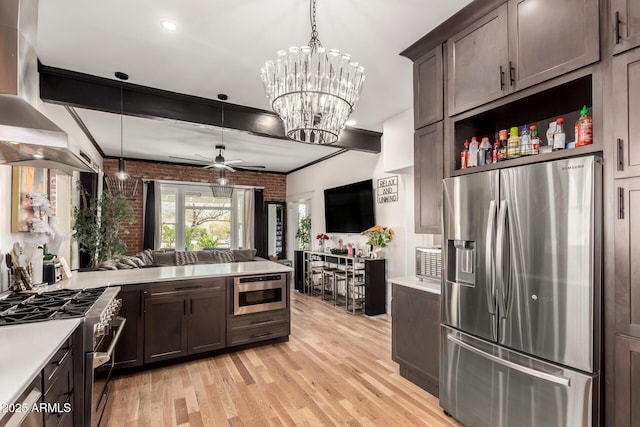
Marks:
<point>100,358</point>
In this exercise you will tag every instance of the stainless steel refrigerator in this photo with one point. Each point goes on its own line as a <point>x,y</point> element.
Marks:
<point>521,295</point>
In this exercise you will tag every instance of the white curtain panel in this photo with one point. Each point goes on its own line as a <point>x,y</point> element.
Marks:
<point>249,219</point>
<point>157,210</point>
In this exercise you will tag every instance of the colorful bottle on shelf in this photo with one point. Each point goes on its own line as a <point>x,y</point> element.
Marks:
<point>559,136</point>
<point>513,144</point>
<point>550,132</point>
<point>525,141</point>
<point>502,155</point>
<point>473,153</point>
<point>485,153</point>
<point>496,152</point>
<point>584,128</point>
<point>464,156</point>
<point>535,139</point>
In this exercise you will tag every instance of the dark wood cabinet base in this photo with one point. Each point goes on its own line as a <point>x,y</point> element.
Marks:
<point>419,378</point>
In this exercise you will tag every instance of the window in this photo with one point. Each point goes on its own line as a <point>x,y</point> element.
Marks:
<point>192,219</point>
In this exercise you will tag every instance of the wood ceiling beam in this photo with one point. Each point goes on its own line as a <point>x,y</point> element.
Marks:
<point>81,90</point>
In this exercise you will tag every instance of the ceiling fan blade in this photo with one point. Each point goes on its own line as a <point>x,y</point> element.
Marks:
<point>207,159</point>
<point>213,165</point>
<point>232,162</point>
<point>189,159</point>
<point>252,166</point>
<point>229,168</point>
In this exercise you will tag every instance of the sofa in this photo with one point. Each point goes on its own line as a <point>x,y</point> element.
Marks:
<point>162,258</point>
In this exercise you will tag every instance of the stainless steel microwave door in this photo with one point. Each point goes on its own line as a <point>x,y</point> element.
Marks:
<point>468,293</point>
<point>546,219</point>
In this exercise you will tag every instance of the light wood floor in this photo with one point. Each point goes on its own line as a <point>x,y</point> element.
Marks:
<point>336,369</point>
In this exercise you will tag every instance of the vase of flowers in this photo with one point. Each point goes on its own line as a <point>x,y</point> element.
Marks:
<point>321,238</point>
<point>378,237</point>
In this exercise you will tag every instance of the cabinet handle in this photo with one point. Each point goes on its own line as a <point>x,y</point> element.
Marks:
<point>501,78</point>
<point>265,334</point>
<point>620,203</point>
<point>184,307</point>
<point>191,306</point>
<point>141,305</point>
<point>620,154</point>
<point>618,37</point>
<point>512,72</point>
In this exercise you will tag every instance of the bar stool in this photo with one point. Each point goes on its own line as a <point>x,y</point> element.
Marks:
<point>340,279</point>
<point>355,292</point>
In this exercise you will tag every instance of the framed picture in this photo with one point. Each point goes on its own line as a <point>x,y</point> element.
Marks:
<point>26,180</point>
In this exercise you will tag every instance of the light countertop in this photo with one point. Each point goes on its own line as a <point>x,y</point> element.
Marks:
<point>427,285</point>
<point>26,349</point>
<point>96,279</point>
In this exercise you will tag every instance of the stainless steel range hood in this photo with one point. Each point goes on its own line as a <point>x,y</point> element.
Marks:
<point>27,137</point>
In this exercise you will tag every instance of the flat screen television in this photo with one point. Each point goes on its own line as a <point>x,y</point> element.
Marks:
<point>349,208</point>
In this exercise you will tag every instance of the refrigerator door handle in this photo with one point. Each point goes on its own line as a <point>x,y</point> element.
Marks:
<point>512,365</point>
<point>502,220</point>
<point>488,258</point>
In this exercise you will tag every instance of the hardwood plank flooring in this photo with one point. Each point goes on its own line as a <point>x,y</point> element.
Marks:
<point>336,369</point>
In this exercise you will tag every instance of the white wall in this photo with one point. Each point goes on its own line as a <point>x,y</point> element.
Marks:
<point>354,166</point>
<point>65,183</point>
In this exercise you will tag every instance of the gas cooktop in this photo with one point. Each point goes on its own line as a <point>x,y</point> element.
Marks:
<point>25,307</point>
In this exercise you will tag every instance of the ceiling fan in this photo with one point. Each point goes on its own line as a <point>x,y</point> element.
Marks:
<point>219,161</point>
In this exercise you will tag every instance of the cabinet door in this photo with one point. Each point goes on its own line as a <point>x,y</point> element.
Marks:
<point>477,61</point>
<point>129,351</point>
<point>206,323</point>
<point>627,381</point>
<point>416,335</point>
<point>626,24</point>
<point>627,254</point>
<point>375,295</point>
<point>428,173</point>
<point>428,89</point>
<point>548,38</point>
<point>626,101</point>
<point>165,328</point>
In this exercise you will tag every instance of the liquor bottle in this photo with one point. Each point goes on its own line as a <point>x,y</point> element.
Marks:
<point>559,137</point>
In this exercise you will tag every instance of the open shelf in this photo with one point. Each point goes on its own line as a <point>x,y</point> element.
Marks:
<point>565,100</point>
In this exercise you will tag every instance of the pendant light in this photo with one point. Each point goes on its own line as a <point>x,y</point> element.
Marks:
<point>313,90</point>
<point>121,184</point>
<point>222,187</point>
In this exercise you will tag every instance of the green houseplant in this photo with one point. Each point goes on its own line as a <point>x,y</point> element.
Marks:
<point>99,225</point>
<point>304,232</point>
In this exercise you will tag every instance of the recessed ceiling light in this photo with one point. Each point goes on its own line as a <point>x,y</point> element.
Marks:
<point>351,123</point>
<point>38,156</point>
<point>168,25</point>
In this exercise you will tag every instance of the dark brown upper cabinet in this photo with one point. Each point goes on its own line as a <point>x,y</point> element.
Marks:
<point>428,174</point>
<point>428,89</point>
<point>626,24</point>
<point>548,38</point>
<point>518,45</point>
<point>626,102</point>
<point>477,58</point>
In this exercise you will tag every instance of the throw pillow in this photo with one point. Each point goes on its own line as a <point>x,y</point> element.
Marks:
<point>240,255</point>
<point>184,258</point>
<point>222,256</point>
<point>164,258</point>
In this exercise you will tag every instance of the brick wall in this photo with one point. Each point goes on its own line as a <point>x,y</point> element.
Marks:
<point>275,186</point>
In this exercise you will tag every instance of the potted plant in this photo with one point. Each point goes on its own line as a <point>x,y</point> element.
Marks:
<point>304,232</point>
<point>99,226</point>
<point>378,237</point>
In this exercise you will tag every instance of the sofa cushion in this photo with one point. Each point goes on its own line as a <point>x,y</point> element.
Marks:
<point>109,264</point>
<point>240,255</point>
<point>164,258</point>
<point>205,257</point>
<point>186,257</point>
<point>222,256</point>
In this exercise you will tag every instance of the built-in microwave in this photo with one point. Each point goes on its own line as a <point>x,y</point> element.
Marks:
<point>253,294</point>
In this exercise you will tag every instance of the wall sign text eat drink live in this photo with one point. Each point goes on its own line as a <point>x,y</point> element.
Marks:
<point>388,189</point>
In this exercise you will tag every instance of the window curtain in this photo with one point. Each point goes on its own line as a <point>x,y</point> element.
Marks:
<point>152,216</point>
<point>259,235</point>
<point>248,220</point>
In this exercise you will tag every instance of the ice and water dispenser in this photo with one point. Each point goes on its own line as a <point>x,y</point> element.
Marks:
<point>461,261</point>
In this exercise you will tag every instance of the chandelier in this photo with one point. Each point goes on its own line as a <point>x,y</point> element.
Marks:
<point>312,89</point>
<point>121,184</point>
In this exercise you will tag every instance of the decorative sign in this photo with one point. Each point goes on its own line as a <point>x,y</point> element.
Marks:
<point>388,189</point>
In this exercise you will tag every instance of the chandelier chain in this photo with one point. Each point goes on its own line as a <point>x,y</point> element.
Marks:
<point>314,43</point>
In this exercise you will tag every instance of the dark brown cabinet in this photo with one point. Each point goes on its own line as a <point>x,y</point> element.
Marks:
<point>518,45</point>
<point>625,15</point>
<point>627,375</point>
<point>548,38</point>
<point>477,59</point>
<point>375,284</point>
<point>626,99</point>
<point>428,89</point>
<point>129,351</point>
<point>254,327</point>
<point>428,174</point>
<point>184,318</point>
<point>416,335</point>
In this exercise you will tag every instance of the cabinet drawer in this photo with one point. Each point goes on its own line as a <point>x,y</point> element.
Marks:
<point>60,393</point>
<point>180,286</point>
<point>249,335</point>
<point>248,321</point>
<point>53,368</point>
